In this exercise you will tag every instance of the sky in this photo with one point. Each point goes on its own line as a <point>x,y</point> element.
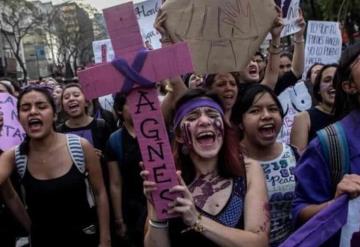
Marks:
<point>99,4</point>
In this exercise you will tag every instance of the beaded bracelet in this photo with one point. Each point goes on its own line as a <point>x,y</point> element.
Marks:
<point>197,226</point>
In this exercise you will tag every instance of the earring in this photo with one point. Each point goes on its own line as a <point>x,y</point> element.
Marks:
<point>185,150</point>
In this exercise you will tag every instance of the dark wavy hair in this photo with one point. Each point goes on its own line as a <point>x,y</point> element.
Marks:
<point>309,72</point>
<point>246,99</point>
<point>316,90</point>
<point>24,147</point>
<point>345,103</point>
<point>230,161</point>
<point>119,103</point>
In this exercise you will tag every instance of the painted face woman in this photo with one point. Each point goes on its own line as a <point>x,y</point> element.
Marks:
<point>52,168</point>
<point>307,123</point>
<point>258,113</point>
<point>220,207</point>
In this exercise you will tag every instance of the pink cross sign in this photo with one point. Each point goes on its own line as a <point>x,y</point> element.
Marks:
<point>133,65</point>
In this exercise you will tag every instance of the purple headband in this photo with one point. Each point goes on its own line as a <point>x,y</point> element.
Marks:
<point>193,104</point>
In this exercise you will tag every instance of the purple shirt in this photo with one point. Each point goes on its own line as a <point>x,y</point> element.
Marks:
<point>314,184</point>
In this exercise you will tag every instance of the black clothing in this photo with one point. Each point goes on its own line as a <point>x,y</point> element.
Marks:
<point>133,199</point>
<point>287,80</point>
<point>60,211</point>
<point>318,121</point>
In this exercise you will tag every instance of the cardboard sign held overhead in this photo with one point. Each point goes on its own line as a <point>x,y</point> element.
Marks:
<point>223,35</point>
<point>130,69</point>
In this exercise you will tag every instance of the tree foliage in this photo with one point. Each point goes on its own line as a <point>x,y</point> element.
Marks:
<point>347,12</point>
<point>18,18</point>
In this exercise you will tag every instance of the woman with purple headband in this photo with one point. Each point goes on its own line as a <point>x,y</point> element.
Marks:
<point>221,206</point>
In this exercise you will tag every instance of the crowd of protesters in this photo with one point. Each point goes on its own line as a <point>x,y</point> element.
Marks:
<point>78,179</point>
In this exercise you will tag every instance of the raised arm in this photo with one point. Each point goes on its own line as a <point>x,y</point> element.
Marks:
<point>272,67</point>
<point>298,60</point>
<point>93,167</point>
<point>175,89</point>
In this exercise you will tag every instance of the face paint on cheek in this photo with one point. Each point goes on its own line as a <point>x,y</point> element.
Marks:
<point>218,125</point>
<point>185,128</point>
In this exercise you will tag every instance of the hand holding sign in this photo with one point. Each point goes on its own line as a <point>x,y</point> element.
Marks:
<point>146,68</point>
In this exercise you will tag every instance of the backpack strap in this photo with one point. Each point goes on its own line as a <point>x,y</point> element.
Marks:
<point>76,152</point>
<point>335,149</point>
<point>77,155</point>
<point>295,152</point>
<point>20,162</point>
<point>116,144</point>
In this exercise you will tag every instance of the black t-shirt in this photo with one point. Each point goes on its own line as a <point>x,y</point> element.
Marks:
<point>318,121</point>
<point>97,132</point>
<point>133,199</point>
<point>287,80</point>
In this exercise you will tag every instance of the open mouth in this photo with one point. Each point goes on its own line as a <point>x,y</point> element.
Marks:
<point>253,71</point>
<point>35,124</point>
<point>74,107</point>
<point>268,131</point>
<point>206,138</point>
<point>332,92</point>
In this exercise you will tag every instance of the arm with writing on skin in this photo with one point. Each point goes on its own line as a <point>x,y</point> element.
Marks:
<point>256,217</point>
<point>97,184</point>
<point>14,203</point>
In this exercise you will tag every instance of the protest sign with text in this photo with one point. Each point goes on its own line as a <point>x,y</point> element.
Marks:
<point>134,72</point>
<point>12,132</point>
<point>323,43</point>
<point>290,13</point>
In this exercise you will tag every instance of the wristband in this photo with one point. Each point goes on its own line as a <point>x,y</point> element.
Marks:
<point>275,45</point>
<point>299,41</point>
<point>159,224</point>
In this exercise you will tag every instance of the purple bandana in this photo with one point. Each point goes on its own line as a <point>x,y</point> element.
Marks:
<point>193,104</point>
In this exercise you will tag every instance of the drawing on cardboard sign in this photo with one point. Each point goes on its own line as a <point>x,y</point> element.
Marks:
<point>223,35</point>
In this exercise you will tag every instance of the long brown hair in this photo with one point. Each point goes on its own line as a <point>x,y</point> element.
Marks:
<point>230,159</point>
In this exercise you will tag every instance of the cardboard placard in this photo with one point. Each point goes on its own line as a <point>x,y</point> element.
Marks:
<point>12,132</point>
<point>323,43</point>
<point>143,103</point>
<point>223,35</point>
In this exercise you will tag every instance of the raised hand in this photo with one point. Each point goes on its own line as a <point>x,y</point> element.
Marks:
<point>278,24</point>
